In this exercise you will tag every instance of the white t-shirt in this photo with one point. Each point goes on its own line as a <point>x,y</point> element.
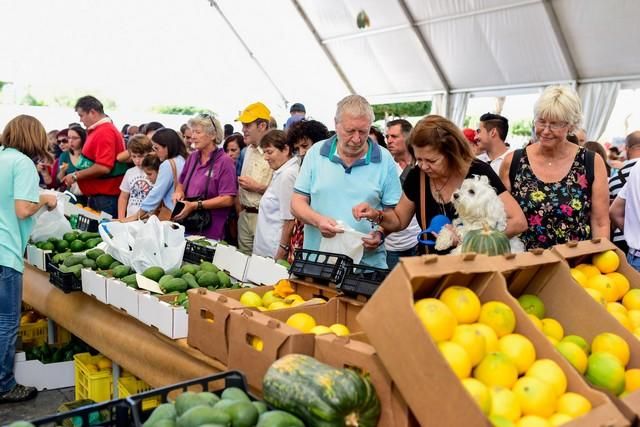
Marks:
<point>404,239</point>
<point>275,209</point>
<point>631,195</point>
<point>135,183</point>
<point>495,163</point>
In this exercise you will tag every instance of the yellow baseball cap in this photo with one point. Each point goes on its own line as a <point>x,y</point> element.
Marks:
<point>254,112</point>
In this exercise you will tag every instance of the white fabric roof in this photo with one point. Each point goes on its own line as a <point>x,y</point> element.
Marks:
<point>311,51</point>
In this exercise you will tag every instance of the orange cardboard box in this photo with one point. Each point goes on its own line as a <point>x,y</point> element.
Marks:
<point>277,340</point>
<point>209,322</point>
<point>429,386</point>
<point>209,314</point>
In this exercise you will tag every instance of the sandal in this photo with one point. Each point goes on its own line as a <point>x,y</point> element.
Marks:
<point>18,393</point>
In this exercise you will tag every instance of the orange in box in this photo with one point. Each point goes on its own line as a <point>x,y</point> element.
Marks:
<point>414,361</point>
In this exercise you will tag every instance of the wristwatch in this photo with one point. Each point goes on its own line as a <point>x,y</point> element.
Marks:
<point>75,176</point>
<point>200,207</point>
<point>284,247</point>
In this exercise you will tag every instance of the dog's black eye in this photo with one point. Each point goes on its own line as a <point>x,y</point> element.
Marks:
<point>472,192</point>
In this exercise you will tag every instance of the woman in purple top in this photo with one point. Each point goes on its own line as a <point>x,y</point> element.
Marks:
<point>210,168</point>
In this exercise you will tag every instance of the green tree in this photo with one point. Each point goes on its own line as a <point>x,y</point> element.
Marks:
<point>31,100</point>
<point>402,109</point>
<point>521,128</point>
<point>185,110</point>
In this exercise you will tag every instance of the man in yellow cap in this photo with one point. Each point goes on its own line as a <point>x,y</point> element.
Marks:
<point>255,173</point>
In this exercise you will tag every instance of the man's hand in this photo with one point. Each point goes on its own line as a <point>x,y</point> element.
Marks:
<point>373,241</point>
<point>188,208</point>
<point>249,184</point>
<point>364,211</point>
<point>328,227</point>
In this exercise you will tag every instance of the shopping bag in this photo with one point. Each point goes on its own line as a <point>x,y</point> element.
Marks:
<point>50,223</point>
<point>142,245</point>
<point>348,243</point>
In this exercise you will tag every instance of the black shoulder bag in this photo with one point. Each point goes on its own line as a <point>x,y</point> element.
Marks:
<point>198,220</point>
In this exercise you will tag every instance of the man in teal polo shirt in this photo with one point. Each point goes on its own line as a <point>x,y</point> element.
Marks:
<point>339,173</point>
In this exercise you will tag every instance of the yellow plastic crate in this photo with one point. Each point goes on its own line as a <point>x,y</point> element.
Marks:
<point>91,383</point>
<point>34,333</point>
<point>128,386</point>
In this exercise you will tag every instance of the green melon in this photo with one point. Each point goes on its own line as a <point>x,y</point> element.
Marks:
<point>486,241</point>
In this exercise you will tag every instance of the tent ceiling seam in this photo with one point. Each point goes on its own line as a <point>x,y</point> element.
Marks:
<point>322,45</point>
<point>422,22</point>
<point>560,38</point>
<point>444,82</point>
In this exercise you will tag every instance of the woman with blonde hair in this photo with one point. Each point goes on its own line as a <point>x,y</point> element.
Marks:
<point>208,181</point>
<point>443,161</point>
<point>561,187</point>
<point>23,141</point>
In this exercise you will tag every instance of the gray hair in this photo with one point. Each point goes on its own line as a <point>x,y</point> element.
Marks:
<point>210,125</point>
<point>356,106</point>
<point>559,103</point>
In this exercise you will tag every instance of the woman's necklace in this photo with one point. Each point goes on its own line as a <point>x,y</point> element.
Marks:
<point>439,190</point>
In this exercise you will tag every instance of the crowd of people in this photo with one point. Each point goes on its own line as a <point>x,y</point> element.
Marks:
<point>272,191</point>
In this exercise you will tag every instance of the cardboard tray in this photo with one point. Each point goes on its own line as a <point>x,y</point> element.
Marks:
<point>414,361</point>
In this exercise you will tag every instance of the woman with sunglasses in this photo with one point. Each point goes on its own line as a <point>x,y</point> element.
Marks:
<point>444,159</point>
<point>561,187</point>
<point>208,181</point>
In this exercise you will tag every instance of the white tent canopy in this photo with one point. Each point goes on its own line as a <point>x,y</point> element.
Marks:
<point>224,54</point>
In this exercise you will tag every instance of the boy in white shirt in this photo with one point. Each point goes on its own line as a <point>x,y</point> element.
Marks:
<point>135,185</point>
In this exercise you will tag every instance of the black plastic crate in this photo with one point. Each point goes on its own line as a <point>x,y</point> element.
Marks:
<point>87,224</point>
<point>362,280</point>
<point>68,282</point>
<point>320,266</point>
<point>194,253</point>
<point>115,413</point>
<point>215,383</point>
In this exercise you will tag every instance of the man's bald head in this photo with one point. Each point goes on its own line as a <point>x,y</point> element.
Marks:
<point>632,144</point>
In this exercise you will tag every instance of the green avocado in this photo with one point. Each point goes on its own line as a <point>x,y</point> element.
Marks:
<point>104,261</point>
<point>153,273</point>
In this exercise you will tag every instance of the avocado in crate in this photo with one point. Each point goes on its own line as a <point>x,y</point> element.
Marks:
<point>93,377</point>
<point>220,399</point>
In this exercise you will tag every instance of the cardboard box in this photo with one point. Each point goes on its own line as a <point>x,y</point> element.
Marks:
<point>336,310</point>
<point>230,260</point>
<point>43,376</point>
<point>37,257</point>
<point>156,311</point>
<point>414,361</point>
<point>278,340</point>
<point>209,322</point>
<point>306,290</point>
<point>124,297</point>
<point>357,353</point>
<point>264,271</point>
<point>575,253</point>
<point>94,284</point>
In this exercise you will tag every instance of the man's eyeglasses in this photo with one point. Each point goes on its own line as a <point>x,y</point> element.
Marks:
<point>541,124</point>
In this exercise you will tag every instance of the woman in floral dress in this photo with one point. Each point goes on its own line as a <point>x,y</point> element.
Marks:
<point>561,187</point>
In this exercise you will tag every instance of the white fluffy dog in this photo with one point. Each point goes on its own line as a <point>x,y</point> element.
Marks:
<point>477,204</point>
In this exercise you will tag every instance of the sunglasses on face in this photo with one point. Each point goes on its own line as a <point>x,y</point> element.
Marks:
<point>63,141</point>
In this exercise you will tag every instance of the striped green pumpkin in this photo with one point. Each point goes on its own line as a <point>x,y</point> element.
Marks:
<point>486,241</point>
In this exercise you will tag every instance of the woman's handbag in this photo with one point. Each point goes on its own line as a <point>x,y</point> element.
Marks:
<point>198,220</point>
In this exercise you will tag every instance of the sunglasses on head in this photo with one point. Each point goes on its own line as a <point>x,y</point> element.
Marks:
<point>210,117</point>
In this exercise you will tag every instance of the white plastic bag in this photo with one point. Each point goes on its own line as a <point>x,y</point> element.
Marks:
<point>348,243</point>
<point>50,223</point>
<point>143,245</point>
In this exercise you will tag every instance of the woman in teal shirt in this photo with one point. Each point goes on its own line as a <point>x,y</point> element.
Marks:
<point>23,141</point>
<point>70,158</point>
